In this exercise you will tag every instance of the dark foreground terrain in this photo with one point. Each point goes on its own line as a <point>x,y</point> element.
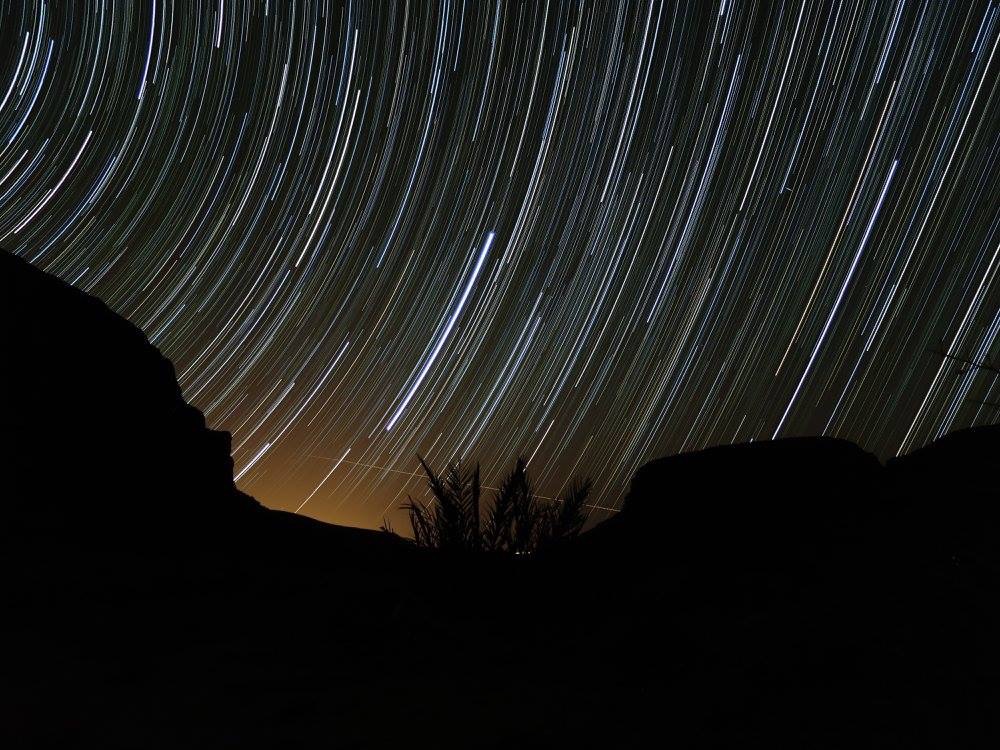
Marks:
<point>796,592</point>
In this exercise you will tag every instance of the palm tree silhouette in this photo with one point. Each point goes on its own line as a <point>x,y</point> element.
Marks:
<point>518,522</point>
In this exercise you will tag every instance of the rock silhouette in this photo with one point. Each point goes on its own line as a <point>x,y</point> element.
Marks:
<point>94,409</point>
<point>106,453</point>
<point>795,590</point>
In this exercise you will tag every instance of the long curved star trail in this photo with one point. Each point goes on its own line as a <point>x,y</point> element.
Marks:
<point>587,233</point>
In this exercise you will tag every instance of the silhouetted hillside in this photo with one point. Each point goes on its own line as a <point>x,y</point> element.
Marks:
<point>789,498</point>
<point>761,594</point>
<point>758,496</point>
<point>963,462</point>
<point>94,409</point>
<point>114,477</point>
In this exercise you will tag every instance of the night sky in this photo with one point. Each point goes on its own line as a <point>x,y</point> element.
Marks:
<point>590,234</point>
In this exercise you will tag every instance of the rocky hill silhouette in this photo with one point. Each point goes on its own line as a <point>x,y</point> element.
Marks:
<point>787,591</point>
<point>106,453</point>
<point>95,409</point>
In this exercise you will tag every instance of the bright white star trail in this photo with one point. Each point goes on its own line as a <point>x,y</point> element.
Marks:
<point>586,233</point>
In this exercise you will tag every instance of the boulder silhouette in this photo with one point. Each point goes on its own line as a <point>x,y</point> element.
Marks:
<point>767,495</point>
<point>772,510</point>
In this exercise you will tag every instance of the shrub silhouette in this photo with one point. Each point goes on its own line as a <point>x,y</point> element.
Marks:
<point>518,522</point>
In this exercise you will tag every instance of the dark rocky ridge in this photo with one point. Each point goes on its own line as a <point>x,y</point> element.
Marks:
<point>110,464</point>
<point>95,409</point>
<point>794,589</point>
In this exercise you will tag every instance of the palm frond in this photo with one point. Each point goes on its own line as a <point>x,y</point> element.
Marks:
<point>517,522</point>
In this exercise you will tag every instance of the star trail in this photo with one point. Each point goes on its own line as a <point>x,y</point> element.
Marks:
<point>586,233</point>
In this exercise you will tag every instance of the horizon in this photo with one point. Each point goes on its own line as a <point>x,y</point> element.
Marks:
<point>584,234</point>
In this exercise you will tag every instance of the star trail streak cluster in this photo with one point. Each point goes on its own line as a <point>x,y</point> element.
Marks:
<point>588,233</point>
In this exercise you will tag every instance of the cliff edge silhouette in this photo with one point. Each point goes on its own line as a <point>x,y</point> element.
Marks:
<point>96,420</point>
<point>113,478</point>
